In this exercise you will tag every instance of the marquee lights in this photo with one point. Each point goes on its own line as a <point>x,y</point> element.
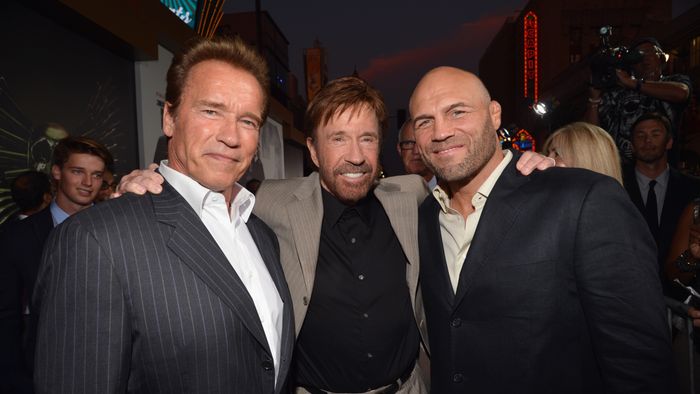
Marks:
<point>530,56</point>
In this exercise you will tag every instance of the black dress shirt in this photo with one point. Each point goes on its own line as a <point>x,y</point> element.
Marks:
<point>359,332</point>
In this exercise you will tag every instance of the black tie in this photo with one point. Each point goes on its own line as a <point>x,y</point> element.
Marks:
<point>651,209</point>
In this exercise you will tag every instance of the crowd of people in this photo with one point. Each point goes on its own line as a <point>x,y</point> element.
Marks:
<point>481,270</point>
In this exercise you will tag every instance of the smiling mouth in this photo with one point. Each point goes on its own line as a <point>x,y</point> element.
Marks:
<point>353,175</point>
<point>218,156</point>
<point>446,150</point>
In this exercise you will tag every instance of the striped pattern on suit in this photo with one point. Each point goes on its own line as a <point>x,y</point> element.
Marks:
<point>135,295</point>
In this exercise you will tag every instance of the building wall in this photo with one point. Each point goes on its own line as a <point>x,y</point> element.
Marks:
<point>568,35</point>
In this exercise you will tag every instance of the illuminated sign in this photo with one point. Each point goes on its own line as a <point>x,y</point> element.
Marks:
<point>524,141</point>
<point>186,10</point>
<point>530,56</point>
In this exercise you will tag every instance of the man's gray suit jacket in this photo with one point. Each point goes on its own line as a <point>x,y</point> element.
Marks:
<point>136,296</point>
<point>293,208</point>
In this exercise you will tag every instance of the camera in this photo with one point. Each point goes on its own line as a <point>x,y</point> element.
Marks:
<point>608,58</point>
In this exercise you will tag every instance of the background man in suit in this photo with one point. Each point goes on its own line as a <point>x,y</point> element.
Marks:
<point>78,163</point>
<point>575,306</point>
<point>651,179</point>
<point>349,249</point>
<point>181,291</point>
<point>31,191</point>
<point>410,157</point>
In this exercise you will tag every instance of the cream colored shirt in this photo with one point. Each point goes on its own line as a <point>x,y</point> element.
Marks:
<point>457,233</point>
<point>232,236</point>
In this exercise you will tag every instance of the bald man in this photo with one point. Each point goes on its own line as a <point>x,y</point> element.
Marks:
<point>572,305</point>
<point>412,162</point>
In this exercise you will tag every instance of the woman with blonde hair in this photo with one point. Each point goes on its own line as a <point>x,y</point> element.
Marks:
<point>583,145</point>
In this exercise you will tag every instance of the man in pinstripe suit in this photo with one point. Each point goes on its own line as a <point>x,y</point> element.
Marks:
<point>180,291</point>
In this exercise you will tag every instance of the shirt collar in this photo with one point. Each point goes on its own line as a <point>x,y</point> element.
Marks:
<point>485,189</point>
<point>57,214</point>
<point>333,208</point>
<point>661,180</point>
<point>196,195</point>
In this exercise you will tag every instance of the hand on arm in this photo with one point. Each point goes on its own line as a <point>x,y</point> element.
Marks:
<point>531,161</point>
<point>140,182</point>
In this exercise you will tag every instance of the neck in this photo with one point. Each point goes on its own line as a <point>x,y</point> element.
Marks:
<point>653,169</point>
<point>68,206</point>
<point>462,191</point>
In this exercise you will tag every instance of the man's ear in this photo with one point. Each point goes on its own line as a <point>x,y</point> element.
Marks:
<point>312,150</point>
<point>669,144</point>
<point>56,172</point>
<point>495,113</point>
<point>168,120</point>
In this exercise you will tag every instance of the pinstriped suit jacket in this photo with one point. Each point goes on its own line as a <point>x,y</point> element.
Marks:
<point>293,208</point>
<point>135,295</point>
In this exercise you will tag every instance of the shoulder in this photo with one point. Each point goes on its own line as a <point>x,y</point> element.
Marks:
<point>572,183</point>
<point>412,184</point>
<point>278,191</point>
<point>108,215</point>
<point>685,181</point>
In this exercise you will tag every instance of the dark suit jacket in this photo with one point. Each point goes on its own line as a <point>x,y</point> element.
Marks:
<point>558,292</point>
<point>21,243</point>
<point>681,190</point>
<point>136,296</point>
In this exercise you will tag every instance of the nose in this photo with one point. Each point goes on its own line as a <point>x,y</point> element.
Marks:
<point>354,153</point>
<point>229,134</point>
<point>87,179</point>
<point>441,130</point>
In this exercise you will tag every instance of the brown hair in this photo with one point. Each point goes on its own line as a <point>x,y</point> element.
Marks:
<point>339,95</point>
<point>583,145</point>
<point>71,145</point>
<point>658,117</point>
<point>231,50</point>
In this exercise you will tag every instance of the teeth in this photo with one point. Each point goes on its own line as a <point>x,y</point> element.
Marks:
<point>353,174</point>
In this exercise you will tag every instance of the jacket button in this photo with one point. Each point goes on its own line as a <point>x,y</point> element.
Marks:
<point>458,378</point>
<point>456,322</point>
<point>305,300</point>
<point>268,366</point>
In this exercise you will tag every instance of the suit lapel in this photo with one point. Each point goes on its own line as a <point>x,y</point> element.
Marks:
<point>432,249</point>
<point>193,244</point>
<point>306,216</point>
<point>632,187</point>
<point>501,211</point>
<point>402,211</point>
<point>272,263</point>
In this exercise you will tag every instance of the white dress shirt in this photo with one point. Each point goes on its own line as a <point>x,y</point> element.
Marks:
<point>659,189</point>
<point>231,234</point>
<point>457,233</point>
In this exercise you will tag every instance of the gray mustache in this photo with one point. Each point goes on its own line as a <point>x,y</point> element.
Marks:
<point>345,168</point>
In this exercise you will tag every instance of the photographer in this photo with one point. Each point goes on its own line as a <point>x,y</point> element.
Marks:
<point>644,90</point>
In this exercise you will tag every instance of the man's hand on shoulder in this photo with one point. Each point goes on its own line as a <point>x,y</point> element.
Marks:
<point>531,161</point>
<point>140,182</point>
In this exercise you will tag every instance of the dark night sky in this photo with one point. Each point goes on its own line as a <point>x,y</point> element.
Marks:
<point>392,43</point>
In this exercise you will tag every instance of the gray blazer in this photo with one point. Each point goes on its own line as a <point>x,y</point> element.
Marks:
<point>135,295</point>
<point>293,208</point>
